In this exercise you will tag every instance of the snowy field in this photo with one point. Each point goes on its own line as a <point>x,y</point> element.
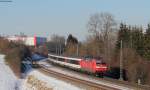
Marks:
<point>8,81</point>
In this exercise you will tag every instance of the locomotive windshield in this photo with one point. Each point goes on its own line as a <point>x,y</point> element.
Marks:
<point>88,57</point>
<point>99,60</point>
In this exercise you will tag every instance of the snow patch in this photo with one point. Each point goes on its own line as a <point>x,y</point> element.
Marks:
<point>8,81</point>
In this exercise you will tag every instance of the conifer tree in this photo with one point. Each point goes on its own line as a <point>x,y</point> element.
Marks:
<point>147,43</point>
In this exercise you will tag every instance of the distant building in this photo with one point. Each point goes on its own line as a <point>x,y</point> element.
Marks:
<point>30,41</point>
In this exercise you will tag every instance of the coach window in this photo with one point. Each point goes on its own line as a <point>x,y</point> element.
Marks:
<point>74,62</point>
<point>61,59</point>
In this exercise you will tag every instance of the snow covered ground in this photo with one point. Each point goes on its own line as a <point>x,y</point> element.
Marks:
<point>8,81</point>
<point>47,81</point>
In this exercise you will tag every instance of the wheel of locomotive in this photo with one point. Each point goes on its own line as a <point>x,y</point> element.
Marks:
<point>101,75</point>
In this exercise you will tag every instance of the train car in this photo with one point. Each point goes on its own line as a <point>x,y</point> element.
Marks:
<point>73,63</point>
<point>91,65</point>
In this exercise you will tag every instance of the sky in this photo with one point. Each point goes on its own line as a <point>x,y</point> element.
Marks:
<point>62,17</point>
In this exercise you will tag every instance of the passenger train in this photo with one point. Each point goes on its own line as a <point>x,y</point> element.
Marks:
<point>91,65</point>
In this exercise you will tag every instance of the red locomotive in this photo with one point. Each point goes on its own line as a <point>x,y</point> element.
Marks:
<point>91,65</point>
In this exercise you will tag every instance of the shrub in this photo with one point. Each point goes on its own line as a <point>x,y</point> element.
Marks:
<point>14,61</point>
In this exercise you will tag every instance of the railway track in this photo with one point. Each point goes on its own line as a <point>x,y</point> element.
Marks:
<point>94,84</point>
<point>91,84</point>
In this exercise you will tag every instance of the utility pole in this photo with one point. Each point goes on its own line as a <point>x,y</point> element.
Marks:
<point>77,49</point>
<point>56,49</point>
<point>131,39</point>
<point>121,62</point>
<point>60,50</point>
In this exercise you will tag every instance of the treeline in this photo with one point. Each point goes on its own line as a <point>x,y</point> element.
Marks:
<point>135,38</point>
<point>14,53</point>
<point>136,52</point>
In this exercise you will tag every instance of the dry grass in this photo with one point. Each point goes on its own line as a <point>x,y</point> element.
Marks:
<point>38,84</point>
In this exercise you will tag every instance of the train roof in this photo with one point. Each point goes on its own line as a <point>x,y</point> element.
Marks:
<point>63,57</point>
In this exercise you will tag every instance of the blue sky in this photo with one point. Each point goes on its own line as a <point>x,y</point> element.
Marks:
<point>47,17</point>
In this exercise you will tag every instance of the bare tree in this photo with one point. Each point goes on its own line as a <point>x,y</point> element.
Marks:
<point>58,39</point>
<point>102,26</point>
<point>56,44</point>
